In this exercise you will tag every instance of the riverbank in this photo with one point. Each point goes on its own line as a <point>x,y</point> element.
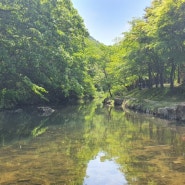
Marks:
<point>164,103</point>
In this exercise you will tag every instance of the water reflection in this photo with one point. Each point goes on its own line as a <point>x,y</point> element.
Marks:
<point>59,149</point>
<point>103,171</point>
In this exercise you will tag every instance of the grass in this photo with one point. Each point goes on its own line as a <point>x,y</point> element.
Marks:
<point>150,100</point>
<point>165,94</point>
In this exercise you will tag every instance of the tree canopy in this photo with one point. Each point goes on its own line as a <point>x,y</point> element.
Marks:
<point>42,52</point>
<point>47,55</point>
<point>152,51</point>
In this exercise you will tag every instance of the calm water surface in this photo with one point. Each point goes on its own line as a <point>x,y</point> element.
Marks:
<point>90,145</point>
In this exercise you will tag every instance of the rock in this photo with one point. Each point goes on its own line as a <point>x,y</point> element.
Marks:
<point>45,111</point>
<point>107,101</point>
<point>180,112</point>
<point>162,112</point>
<point>118,101</point>
<point>172,113</point>
<point>167,112</point>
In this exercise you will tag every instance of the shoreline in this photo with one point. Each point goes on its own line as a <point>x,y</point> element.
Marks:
<point>161,109</point>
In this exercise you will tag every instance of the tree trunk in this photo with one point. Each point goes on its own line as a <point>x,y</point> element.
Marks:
<point>140,83</point>
<point>172,74</point>
<point>161,76</point>
<point>157,80</point>
<point>108,83</point>
<point>161,80</point>
<point>149,76</point>
<point>110,93</point>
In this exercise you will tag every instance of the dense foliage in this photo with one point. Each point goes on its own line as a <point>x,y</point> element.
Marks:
<point>152,52</point>
<point>41,52</point>
<point>47,55</point>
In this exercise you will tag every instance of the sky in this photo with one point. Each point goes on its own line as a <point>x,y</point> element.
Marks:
<point>106,20</point>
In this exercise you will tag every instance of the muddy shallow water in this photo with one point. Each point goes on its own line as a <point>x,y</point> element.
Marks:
<point>90,145</point>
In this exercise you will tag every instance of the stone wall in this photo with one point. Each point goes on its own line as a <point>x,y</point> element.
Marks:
<point>173,111</point>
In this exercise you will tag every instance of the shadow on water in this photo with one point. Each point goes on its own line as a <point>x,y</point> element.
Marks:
<point>90,144</point>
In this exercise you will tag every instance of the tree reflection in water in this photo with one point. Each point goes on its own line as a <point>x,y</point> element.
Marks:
<point>90,144</point>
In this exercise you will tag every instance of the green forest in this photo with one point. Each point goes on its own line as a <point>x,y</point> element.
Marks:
<point>48,56</point>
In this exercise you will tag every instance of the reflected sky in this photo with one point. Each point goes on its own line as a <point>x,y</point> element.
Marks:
<point>103,171</point>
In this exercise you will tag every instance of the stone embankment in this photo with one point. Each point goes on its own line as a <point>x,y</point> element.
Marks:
<point>165,110</point>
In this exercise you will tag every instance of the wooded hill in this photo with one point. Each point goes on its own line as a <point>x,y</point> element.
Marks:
<point>41,52</point>
<point>47,55</point>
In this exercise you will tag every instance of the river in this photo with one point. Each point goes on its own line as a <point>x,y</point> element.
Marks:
<point>90,145</point>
